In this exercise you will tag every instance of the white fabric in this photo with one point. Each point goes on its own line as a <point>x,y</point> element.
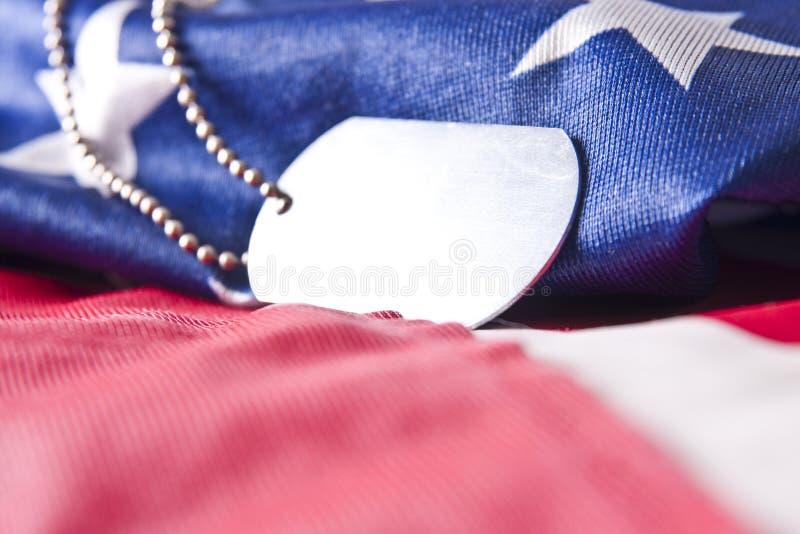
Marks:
<point>723,403</point>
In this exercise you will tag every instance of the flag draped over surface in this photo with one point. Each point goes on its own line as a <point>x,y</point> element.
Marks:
<point>671,106</point>
<point>144,410</point>
<point>295,418</point>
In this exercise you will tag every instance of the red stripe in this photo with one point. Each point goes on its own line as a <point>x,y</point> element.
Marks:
<point>143,410</point>
<point>779,321</point>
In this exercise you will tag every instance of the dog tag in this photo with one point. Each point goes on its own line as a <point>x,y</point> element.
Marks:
<point>438,221</point>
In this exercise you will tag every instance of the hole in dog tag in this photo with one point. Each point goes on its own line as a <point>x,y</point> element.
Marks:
<point>438,221</point>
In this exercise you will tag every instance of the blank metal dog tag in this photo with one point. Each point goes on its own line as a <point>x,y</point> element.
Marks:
<point>439,221</point>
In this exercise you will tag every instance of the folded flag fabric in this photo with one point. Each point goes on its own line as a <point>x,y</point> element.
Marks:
<point>148,411</point>
<point>144,411</point>
<point>671,104</point>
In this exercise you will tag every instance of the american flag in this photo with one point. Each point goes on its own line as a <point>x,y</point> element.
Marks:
<point>650,385</point>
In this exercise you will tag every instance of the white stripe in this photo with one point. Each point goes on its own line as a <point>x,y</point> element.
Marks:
<point>723,403</point>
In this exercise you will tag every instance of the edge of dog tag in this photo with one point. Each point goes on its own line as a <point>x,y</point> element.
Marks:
<point>438,221</point>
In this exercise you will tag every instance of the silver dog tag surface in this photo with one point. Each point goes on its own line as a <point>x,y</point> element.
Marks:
<point>438,221</point>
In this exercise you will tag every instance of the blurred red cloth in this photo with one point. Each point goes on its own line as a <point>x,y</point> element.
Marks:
<point>143,410</point>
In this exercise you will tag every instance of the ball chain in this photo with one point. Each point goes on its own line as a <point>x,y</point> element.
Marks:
<point>166,40</point>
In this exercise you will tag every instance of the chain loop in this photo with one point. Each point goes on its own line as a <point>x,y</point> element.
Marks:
<point>163,25</point>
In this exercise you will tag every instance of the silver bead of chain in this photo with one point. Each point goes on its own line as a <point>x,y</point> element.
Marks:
<point>137,197</point>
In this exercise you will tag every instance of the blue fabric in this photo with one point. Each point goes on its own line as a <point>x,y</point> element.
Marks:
<point>275,75</point>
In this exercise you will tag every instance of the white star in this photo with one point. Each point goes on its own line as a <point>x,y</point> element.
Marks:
<point>680,40</point>
<point>110,99</point>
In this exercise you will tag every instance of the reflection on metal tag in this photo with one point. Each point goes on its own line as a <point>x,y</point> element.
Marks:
<point>439,221</point>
